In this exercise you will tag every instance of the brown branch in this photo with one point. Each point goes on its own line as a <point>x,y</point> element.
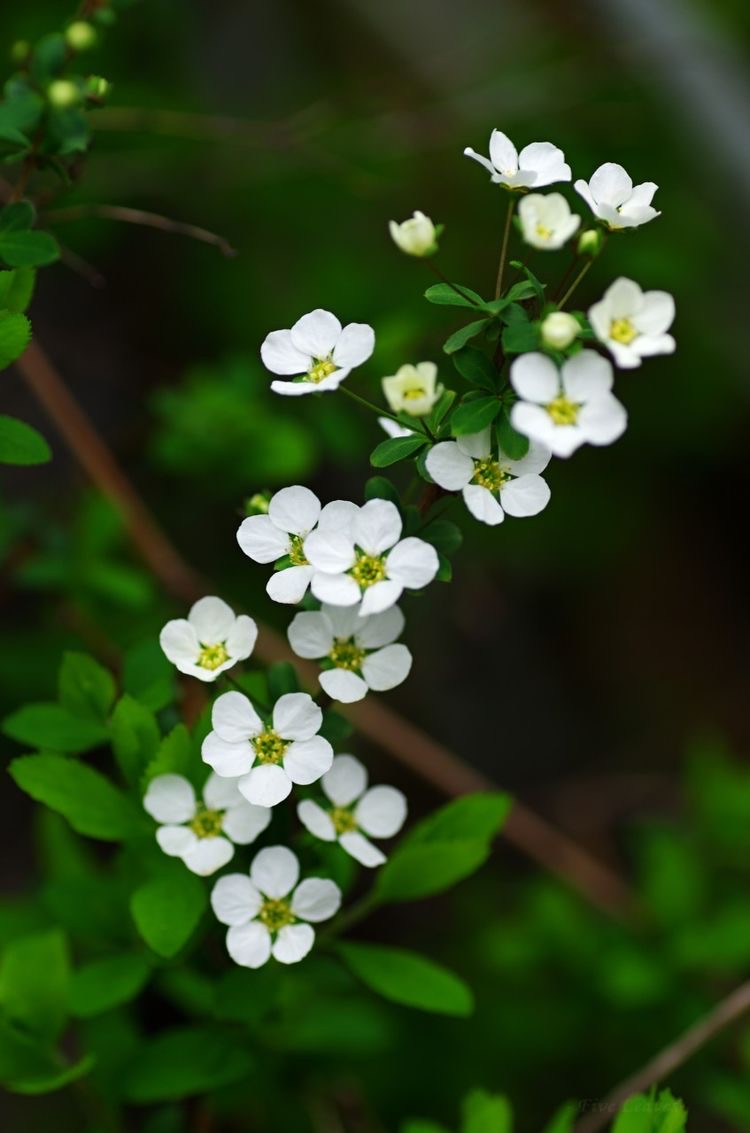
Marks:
<point>736,1004</point>
<point>142,218</point>
<point>424,756</point>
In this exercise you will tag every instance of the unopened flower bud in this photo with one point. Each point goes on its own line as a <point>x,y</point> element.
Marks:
<point>63,94</point>
<point>559,329</point>
<point>257,504</point>
<point>81,35</point>
<point>97,88</point>
<point>590,242</point>
<point>416,236</point>
<point>413,389</point>
<point>19,52</point>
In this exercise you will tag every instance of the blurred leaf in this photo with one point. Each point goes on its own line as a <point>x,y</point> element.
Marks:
<point>673,876</point>
<point>15,332</point>
<point>520,337</point>
<point>26,1067</point>
<point>167,909</point>
<point>54,727</point>
<point>183,1062</point>
<point>381,488</point>
<point>148,676</point>
<point>474,416</point>
<point>445,536</point>
<point>395,449</point>
<point>20,444</point>
<point>282,679</point>
<point>408,978</point>
<point>135,737</point>
<point>16,290</point>
<point>563,1120</point>
<point>471,817</point>
<point>514,444</point>
<point>417,1125</point>
<point>29,249</point>
<point>174,756</point>
<point>335,728</point>
<point>648,1114</point>
<point>474,365</point>
<point>34,976</point>
<point>486,1113</point>
<point>102,984</point>
<point>243,996</point>
<point>421,870</point>
<point>89,801</point>
<point>85,687</point>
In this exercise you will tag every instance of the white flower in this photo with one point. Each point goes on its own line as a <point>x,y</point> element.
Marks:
<point>546,220</point>
<point>416,236</point>
<point>317,351</point>
<point>367,559</point>
<point>380,812</point>
<point>559,329</point>
<point>611,196</point>
<point>267,911</point>
<point>565,408</point>
<point>360,650</point>
<point>633,324</point>
<point>210,640</point>
<point>492,486</point>
<point>413,389</point>
<point>202,833</point>
<point>292,514</point>
<point>266,758</point>
<point>393,429</point>
<point>537,165</point>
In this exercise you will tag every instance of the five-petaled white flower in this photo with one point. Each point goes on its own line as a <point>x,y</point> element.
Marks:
<point>611,196</point>
<point>416,236</point>
<point>565,408</point>
<point>292,514</point>
<point>267,757</point>
<point>492,486</point>
<point>317,351</point>
<point>546,220</point>
<point>360,652</point>
<point>633,324</point>
<point>209,640</point>
<point>367,559</point>
<point>379,812</point>
<point>202,833</point>
<point>268,911</point>
<point>413,389</point>
<point>537,165</point>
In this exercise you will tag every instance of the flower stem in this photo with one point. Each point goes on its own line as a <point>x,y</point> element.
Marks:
<point>351,916</point>
<point>586,267</point>
<point>504,249</point>
<point>453,286</point>
<point>368,404</point>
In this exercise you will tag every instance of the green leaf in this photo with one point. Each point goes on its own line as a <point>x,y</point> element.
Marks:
<point>282,678</point>
<point>28,249</point>
<point>486,1113</point>
<point>520,337</point>
<point>642,1113</point>
<point>445,570</point>
<point>148,675</point>
<point>445,536</point>
<point>474,365</point>
<point>135,737</point>
<point>524,289</point>
<point>20,444</point>
<point>473,416</point>
<point>27,1067</point>
<point>514,444</point>
<point>167,909</point>
<point>16,217</point>
<point>445,295</point>
<point>85,688</point>
<point>439,409</point>
<point>103,984</point>
<point>534,282</point>
<point>53,727</point>
<point>90,802</point>
<point>34,975</point>
<point>15,335</point>
<point>471,817</point>
<point>395,449</point>
<point>417,870</point>
<point>460,337</point>
<point>407,978</point>
<point>381,488</point>
<point>173,757</point>
<point>418,1125</point>
<point>182,1062</point>
<point>16,289</point>
<point>563,1119</point>
<point>335,728</point>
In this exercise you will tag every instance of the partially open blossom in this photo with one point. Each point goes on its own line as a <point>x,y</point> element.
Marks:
<point>565,408</point>
<point>537,165</point>
<point>358,653</point>
<point>633,324</point>
<point>559,329</point>
<point>546,220</point>
<point>202,833</point>
<point>611,195</point>
<point>355,811</point>
<point>268,913</point>
<point>413,389</point>
<point>317,352</point>
<point>210,640</point>
<point>416,236</point>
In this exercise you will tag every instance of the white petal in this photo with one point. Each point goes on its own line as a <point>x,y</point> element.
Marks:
<point>330,551</point>
<point>228,760</point>
<point>175,840</point>
<point>242,637</point>
<point>603,420</point>
<point>413,563</point>
<point>266,785</point>
<point>657,314</point>
<point>335,589</point>
<point>244,822</point>
<point>316,820</point>
<point>344,621</point>
<point>234,718</point>
<point>288,586</point>
<point>546,161</point>
<point>448,466</point>
<point>534,422</point>
<point>170,798</point>
<point>355,345</point>
<point>534,377</point>
<point>261,540</point>
<point>582,188</point>
<point>387,667</point>
<point>642,196</point>
<point>234,899</point>
<point>220,792</point>
<point>249,945</point>
<point>316,899</point>
<point>377,527</point>
<point>306,760</point>
<point>275,871</point>
<point>483,505</point>
<point>346,780</point>
<point>296,716</point>
<point>179,643</point>
<point>292,943</point>
<point>485,161</point>
<point>380,629</point>
<point>281,356</point>
<point>361,849</point>
<point>624,298</point>
<point>317,333</point>
<point>338,515</point>
<point>610,184</point>
<point>208,855</point>
<point>343,685</point>
<point>311,634</point>
<point>586,375</point>
<point>392,428</point>
<point>211,619</point>
<point>528,495</point>
<point>648,345</point>
<point>381,812</point>
<point>296,388</point>
<point>381,596</point>
<point>476,445</point>
<point>294,509</point>
<point>536,460</point>
<point>503,153</point>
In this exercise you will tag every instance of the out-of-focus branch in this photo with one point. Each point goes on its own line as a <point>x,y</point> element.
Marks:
<point>142,218</point>
<point>408,744</point>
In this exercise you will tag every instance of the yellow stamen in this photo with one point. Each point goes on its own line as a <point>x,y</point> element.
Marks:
<point>212,656</point>
<point>275,914</point>
<point>622,330</point>
<point>563,411</point>
<point>269,746</point>
<point>343,820</point>
<point>368,569</point>
<point>322,369</point>
<point>346,655</point>
<point>489,474</point>
<point>207,823</point>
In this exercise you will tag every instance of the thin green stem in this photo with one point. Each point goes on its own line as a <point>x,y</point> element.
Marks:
<point>420,426</point>
<point>453,286</point>
<point>353,915</point>
<point>586,267</point>
<point>504,249</point>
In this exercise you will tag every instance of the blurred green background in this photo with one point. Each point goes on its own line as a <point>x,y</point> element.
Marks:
<point>577,657</point>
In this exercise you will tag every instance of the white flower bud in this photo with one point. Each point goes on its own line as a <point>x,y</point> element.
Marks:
<point>416,236</point>
<point>413,389</point>
<point>559,329</point>
<point>590,242</point>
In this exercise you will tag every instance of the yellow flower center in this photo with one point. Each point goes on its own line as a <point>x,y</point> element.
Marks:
<point>346,655</point>
<point>275,914</point>
<point>563,411</point>
<point>489,474</point>
<point>622,330</point>
<point>322,368</point>
<point>414,392</point>
<point>368,569</point>
<point>269,746</point>
<point>343,820</point>
<point>212,656</point>
<point>297,552</point>
<point>207,823</point>
<point>543,232</point>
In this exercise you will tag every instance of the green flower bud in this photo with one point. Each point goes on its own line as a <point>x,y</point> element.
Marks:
<point>590,242</point>
<point>97,88</point>
<point>257,504</point>
<point>63,94</point>
<point>81,35</point>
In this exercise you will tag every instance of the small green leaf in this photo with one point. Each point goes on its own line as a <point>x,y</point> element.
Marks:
<point>407,978</point>
<point>536,284</point>
<point>525,289</point>
<point>15,334</point>
<point>486,1113</point>
<point>53,727</point>
<point>16,217</point>
<point>28,249</point>
<point>335,728</point>
<point>85,688</point>
<point>447,295</point>
<point>471,817</point>
<point>418,1125</point>
<point>34,976</point>
<point>104,984</point>
<point>381,488</point>
<point>445,536</point>
<point>174,755</point>
<point>514,444</point>
<point>520,337</point>
<point>135,737</point>
<point>90,802</point>
<point>416,870</point>
<point>148,676</point>
<point>460,337</point>
<point>183,1062</point>
<point>167,909</point>
<point>395,449</point>
<point>473,416</point>
<point>20,444</point>
<point>563,1119</point>
<point>28,1067</point>
<point>282,679</point>
<point>445,570</point>
<point>474,365</point>
<point>642,1113</point>
<point>16,289</point>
